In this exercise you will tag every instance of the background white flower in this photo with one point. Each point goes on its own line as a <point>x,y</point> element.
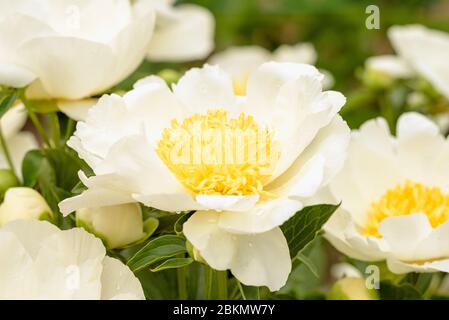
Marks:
<point>183,32</point>
<point>394,193</point>
<point>241,61</point>
<point>39,261</point>
<point>128,143</point>
<point>425,51</point>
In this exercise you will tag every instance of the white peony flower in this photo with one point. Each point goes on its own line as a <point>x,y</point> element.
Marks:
<point>240,62</point>
<point>395,200</point>
<point>118,226</point>
<point>18,143</point>
<point>39,261</point>
<point>245,163</point>
<point>183,32</point>
<point>74,48</point>
<point>23,203</point>
<point>425,50</point>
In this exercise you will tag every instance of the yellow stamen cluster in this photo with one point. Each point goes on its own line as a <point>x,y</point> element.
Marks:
<point>405,199</point>
<point>215,154</point>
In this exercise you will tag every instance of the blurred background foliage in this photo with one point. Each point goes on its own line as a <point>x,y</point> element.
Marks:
<point>335,27</point>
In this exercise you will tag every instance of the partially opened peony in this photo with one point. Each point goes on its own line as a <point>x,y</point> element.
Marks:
<point>395,196</point>
<point>39,261</point>
<point>245,163</point>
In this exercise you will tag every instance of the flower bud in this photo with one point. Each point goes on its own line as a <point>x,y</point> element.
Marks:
<point>118,226</point>
<point>7,180</point>
<point>24,203</point>
<point>351,288</point>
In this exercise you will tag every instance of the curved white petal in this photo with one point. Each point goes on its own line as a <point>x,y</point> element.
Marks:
<point>76,109</point>
<point>18,147</point>
<point>119,281</point>
<point>227,203</point>
<point>262,218</point>
<point>343,234</point>
<point>15,76</point>
<point>207,88</point>
<point>13,120</point>
<point>68,68</point>
<point>257,260</point>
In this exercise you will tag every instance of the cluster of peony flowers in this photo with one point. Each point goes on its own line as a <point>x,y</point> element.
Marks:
<point>242,144</point>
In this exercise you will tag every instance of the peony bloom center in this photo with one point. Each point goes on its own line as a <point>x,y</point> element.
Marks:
<point>216,154</point>
<point>405,199</point>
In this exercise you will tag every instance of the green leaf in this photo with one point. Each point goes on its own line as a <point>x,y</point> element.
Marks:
<point>303,227</point>
<point>172,264</point>
<point>31,166</point>
<point>391,291</point>
<point>7,102</point>
<point>308,263</point>
<point>157,250</point>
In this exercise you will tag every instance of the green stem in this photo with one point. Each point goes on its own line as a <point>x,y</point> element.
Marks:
<point>40,129</point>
<point>55,129</point>
<point>182,283</point>
<point>209,275</point>
<point>222,284</point>
<point>242,292</point>
<point>6,153</point>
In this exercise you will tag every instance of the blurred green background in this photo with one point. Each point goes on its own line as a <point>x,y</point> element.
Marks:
<point>335,27</point>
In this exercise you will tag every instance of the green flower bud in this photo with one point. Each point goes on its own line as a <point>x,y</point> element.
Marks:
<point>351,288</point>
<point>118,226</point>
<point>24,203</point>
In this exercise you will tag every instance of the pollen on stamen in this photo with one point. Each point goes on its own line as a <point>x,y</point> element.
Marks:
<point>405,199</point>
<point>216,154</point>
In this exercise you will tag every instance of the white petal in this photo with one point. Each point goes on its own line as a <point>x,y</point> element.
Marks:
<point>256,260</point>
<point>403,233</point>
<point>15,76</point>
<point>117,280</point>
<point>190,36</point>
<point>261,218</point>
<point>18,147</point>
<point>76,109</point>
<point>72,253</point>
<point>341,232</point>
<point>398,266</point>
<point>207,88</point>
<point>68,68</point>
<point>227,203</point>
<point>154,105</point>
<point>107,122</point>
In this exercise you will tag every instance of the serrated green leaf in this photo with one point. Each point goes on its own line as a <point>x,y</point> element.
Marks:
<point>156,250</point>
<point>172,264</point>
<point>303,227</point>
